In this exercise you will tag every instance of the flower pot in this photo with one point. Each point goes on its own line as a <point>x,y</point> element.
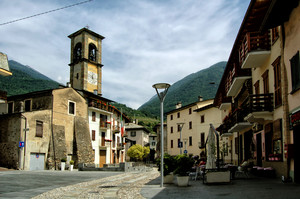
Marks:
<point>62,166</point>
<point>71,167</point>
<point>182,181</point>
<point>168,179</point>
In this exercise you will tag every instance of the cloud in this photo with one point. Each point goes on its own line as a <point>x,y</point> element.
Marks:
<point>146,41</point>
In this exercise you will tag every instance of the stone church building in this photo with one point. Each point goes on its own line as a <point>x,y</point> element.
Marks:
<point>41,128</point>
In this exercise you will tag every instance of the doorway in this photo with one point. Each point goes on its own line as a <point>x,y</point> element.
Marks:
<point>258,150</point>
<point>296,135</point>
<point>102,158</point>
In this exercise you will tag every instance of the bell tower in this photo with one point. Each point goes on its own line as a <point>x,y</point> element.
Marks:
<point>85,64</point>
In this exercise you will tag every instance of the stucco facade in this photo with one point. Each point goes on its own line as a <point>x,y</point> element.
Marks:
<point>197,118</point>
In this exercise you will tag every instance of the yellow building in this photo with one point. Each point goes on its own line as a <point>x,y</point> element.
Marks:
<point>259,87</point>
<point>188,126</point>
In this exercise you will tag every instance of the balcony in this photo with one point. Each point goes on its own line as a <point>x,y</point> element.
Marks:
<point>255,50</point>
<point>104,124</point>
<point>225,103</point>
<point>120,146</point>
<point>235,79</point>
<point>116,129</point>
<point>259,107</point>
<point>236,122</point>
<point>101,105</point>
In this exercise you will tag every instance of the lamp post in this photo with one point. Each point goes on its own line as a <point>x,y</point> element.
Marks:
<point>161,90</point>
<point>180,144</point>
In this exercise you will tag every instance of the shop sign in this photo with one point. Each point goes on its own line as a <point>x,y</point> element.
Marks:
<point>295,119</point>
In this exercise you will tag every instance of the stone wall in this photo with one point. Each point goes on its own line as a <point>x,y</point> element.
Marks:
<point>9,140</point>
<point>83,141</point>
<point>59,141</point>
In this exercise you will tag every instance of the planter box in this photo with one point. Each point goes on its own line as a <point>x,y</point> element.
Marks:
<point>62,166</point>
<point>183,181</point>
<point>217,177</point>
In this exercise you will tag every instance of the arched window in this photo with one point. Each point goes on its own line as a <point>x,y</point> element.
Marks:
<point>77,52</point>
<point>92,52</point>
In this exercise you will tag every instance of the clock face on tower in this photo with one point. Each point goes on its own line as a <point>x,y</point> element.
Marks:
<point>92,78</point>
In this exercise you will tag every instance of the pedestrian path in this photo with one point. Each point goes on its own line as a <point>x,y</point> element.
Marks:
<point>127,185</point>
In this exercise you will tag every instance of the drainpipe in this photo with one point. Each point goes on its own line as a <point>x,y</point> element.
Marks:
<point>285,104</point>
<point>25,131</point>
<point>52,133</point>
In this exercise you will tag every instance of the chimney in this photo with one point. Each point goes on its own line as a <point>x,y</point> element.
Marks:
<point>200,98</point>
<point>178,105</point>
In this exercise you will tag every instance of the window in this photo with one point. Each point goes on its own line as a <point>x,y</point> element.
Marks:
<point>178,127</point>
<point>27,105</point>
<point>275,34</point>
<point>273,141</point>
<point>190,111</point>
<point>93,116</point>
<point>153,143</point>
<point>10,107</point>
<point>133,133</point>
<point>202,119</point>
<point>114,141</point>
<point>202,139</point>
<point>190,125</point>
<point>171,117</point>
<point>295,71</point>
<point>93,135</point>
<point>178,115</point>
<point>277,83</point>
<point>77,52</point>
<point>92,52</point>
<point>265,77</point>
<point>39,129</point>
<point>171,129</point>
<point>190,141</point>
<point>103,139</point>
<point>178,141</point>
<point>171,143</point>
<point>71,108</point>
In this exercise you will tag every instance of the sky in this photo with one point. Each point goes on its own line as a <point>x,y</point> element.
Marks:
<point>146,41</point>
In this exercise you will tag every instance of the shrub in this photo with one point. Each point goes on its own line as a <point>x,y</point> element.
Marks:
<point>169,164</point>
<point>138,152</point>
<point>184,164</point>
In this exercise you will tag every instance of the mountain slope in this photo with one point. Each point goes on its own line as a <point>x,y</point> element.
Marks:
<point>24,80</point>
<point>188,89</point>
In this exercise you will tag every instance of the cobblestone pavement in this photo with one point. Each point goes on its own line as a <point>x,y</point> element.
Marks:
<point>127,185</point>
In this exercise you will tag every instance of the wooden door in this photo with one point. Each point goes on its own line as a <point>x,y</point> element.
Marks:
<point>102,158</point>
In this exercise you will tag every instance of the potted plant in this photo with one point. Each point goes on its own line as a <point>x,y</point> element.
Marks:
<point>63,164</point>
<point>169,166</point>
<point>71,165</point>
<point>184,166</point>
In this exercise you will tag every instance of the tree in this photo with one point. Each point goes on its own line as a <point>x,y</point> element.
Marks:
<point>138,152</point>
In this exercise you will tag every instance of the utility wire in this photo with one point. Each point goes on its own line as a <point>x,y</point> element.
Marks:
<point>45,12</point>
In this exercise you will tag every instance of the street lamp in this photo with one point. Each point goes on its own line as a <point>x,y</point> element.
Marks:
<point>180,144</point>
<point>161,90</point>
